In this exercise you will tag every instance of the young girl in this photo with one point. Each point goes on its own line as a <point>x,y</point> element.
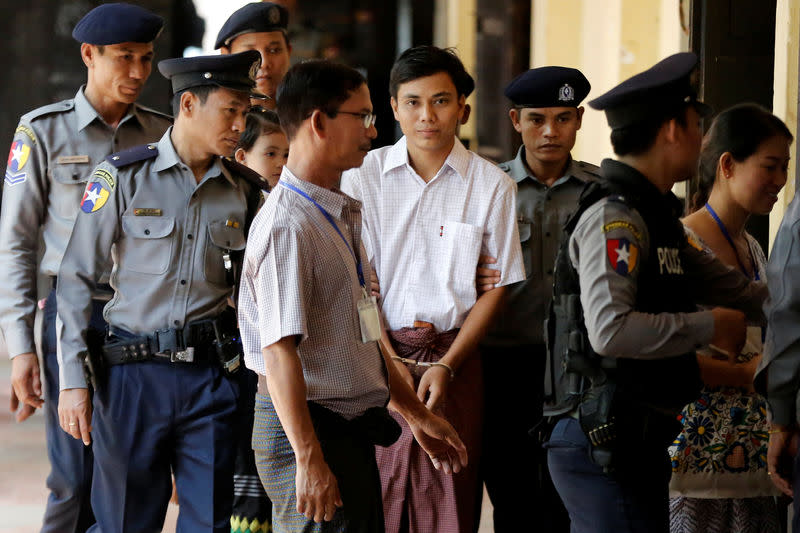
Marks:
<point>263,146</point>
<point>719,481</point>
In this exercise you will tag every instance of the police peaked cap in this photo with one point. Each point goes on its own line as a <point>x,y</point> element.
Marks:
<point>664,86</point>
<point>548,87</point>
<point>118,23</point>
<point>253,18</point>
<point>232,71</point>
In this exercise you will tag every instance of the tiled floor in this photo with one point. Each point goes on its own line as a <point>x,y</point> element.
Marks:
<point>24,467</point>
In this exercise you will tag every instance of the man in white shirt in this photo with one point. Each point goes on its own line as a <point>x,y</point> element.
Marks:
<point>430,209</point>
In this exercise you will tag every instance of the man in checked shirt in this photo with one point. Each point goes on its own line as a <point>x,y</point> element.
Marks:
<point>430,209</point>
<point>310,330</point>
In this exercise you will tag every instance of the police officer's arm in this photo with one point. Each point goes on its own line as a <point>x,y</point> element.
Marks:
<point>608,247</point>
<point>715,283</point>
<point>23,211</point>
<point>85,260</point>
<point>779,373</point>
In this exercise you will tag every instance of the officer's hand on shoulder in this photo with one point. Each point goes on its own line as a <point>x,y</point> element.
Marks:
<point>730,330</point>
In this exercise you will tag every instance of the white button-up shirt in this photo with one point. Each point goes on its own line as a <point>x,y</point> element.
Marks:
<point>424,239</point>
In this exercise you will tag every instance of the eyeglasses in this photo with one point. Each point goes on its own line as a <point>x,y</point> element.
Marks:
<point>367,118</point>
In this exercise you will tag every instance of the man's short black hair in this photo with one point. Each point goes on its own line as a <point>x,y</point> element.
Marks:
<point>426,60</point>
<point>637,138</point>
<point>311,85</point>
<point>201,92</point>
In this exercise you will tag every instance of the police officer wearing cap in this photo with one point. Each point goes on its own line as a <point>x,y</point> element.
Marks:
<point>547,113</point>
<point>176,214</point>
<point>624,327</point>
<point>54,150</point>
<point>260,26</point>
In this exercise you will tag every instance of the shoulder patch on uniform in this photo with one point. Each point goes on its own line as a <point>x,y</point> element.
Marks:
<point>133,155</point>
<point>246,173</point>
<point>17,157</point>
<point>58,107</point>
<point>26,130</point>
<point>96,194</point>
<point>623,255</point>
<point>625,225</point>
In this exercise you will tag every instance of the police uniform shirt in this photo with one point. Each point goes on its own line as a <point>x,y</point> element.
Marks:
<point>300,278</point>
<point>608,247</point>
<point>780,367</point>
<point>55,149</point>
<point>542,212</point>
<point>424,239</point>
<point>169,237</point>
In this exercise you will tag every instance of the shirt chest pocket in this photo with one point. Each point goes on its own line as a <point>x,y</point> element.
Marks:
<point>224,243</point>
<point>148,244</point>
<point>69,184</point>
<point>461,249</point>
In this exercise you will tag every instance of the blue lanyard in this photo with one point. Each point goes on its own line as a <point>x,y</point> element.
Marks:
<point>727,236</point>
<point>329,218</point>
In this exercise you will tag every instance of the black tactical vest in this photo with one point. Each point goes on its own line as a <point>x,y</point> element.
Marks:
<point>666,384</point>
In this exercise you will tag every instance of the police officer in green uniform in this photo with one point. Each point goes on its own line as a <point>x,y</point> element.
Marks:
<point>54,150</point>
<point>625,326</point>
<point>547,112</point>
<point>176,214</point>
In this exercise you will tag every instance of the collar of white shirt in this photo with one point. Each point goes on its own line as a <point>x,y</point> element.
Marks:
<point>332,201</point>
<point>458,159</point>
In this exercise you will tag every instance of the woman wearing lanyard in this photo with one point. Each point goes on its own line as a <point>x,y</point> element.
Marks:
<point>719,480</point>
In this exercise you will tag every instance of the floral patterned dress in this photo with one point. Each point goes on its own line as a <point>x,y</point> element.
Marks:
<point>719,460</point>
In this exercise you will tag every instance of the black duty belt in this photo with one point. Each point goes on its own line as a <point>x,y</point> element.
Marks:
<point>196,343</point>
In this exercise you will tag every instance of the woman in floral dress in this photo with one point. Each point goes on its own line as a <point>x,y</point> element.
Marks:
<point>719,481</point>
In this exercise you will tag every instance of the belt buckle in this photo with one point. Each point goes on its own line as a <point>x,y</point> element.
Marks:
<point>182,356</point>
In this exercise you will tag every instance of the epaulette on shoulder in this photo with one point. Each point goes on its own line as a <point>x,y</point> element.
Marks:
<point>133,155</point>
<point>58,107</point>
<point>246,173</point>
<point>590,169</point>
<point>155,112</point>
<point>505,166</point>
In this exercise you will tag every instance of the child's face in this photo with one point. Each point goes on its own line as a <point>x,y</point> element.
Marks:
<point>267,156</point>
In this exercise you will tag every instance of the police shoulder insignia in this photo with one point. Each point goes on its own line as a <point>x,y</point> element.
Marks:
<point>95,196</point>
<point>17,157</point>
<point>623,225</point>
<point>26,130</point>
<point>246,173</point>
<point>133,155</point>
<point>623,255</point>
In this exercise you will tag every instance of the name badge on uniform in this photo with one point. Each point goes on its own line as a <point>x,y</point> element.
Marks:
<point>369,318</point>
<point>146,212</point>
<point>72,159</point>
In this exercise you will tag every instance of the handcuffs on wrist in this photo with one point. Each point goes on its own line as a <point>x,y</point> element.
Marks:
<point>425,364</point>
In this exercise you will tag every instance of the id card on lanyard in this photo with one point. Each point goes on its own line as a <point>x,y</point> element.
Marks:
<point>368,316</point>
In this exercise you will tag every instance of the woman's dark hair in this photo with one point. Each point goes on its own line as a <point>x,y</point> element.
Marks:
<point>259,122</point>
<point>312,85</point>
<point>740,130</point>
<point>422,61</point>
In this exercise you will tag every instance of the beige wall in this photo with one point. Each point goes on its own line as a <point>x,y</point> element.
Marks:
<point>454,26</point>
<point>609,41</point>
<point>785,101</point>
